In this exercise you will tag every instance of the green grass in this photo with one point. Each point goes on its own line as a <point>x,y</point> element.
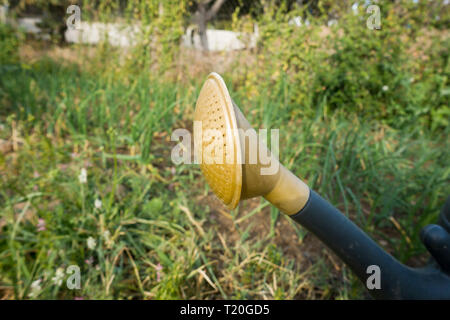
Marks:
<point>59,118</point>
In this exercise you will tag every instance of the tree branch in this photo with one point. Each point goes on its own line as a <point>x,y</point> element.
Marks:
<point>214,9</point>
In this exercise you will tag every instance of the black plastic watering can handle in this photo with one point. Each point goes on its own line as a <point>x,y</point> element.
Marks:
<point>437,241</point>
<point>436,238</point>
<point>362,254</point>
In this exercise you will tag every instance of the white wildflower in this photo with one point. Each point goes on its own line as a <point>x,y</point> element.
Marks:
<point>35,289</point>
<point>107,235</point>
<point>98,204</point>
<point>91,243</point>
<point>83,176</point>
<point>59,276</point>
<point>385,88</point>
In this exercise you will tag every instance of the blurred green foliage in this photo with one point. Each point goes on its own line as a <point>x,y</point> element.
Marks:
<point>10,41</point>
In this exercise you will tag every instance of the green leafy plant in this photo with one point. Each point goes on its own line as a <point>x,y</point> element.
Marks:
<point>10,40</point>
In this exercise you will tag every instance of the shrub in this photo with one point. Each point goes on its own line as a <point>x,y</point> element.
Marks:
<point>347,68</point>
<point>9,44</point>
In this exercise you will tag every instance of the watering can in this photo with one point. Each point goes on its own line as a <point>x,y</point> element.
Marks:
<point>236,170</point>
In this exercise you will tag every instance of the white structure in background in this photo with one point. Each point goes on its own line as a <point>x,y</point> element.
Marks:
<point>29,24</point>
<point>3,13</point>
<point>119,35</point>
<point>221,40</point>
<point>124,35</point>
